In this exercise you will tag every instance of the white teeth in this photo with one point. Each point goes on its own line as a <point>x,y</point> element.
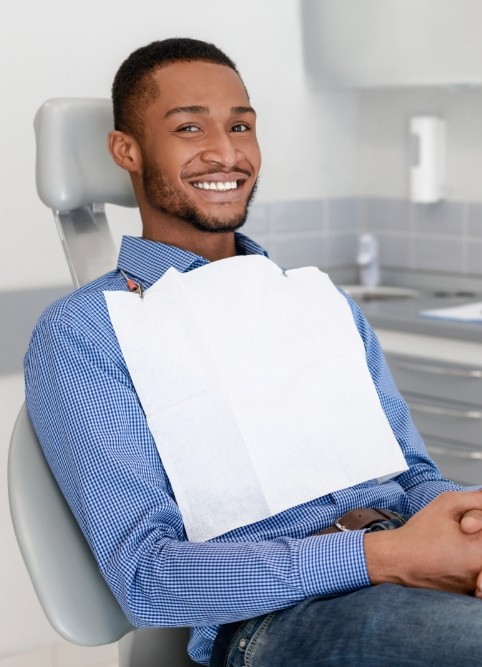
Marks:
<point>216,185</point>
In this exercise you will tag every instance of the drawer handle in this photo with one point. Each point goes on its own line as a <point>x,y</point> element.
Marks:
<point>447,412</point>
<point>437,370</point>
<point>456,454</point>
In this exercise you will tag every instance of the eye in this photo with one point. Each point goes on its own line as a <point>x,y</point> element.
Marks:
<point>240,127</point>
<point>189,128</point>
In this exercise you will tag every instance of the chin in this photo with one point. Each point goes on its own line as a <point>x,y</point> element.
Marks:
<point>217,226</point>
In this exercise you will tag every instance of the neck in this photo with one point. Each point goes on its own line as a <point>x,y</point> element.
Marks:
<point>210,245</point>
<point>220,247</point>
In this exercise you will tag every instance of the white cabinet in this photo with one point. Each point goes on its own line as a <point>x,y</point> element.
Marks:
<point>375,43</point>
<point>441,380</point>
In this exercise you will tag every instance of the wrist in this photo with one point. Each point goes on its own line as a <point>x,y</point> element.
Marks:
<point>382,557</point>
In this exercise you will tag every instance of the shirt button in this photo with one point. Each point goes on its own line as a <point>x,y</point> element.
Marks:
<point>243,643</point>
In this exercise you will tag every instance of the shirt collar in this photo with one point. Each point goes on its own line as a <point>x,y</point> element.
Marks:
<point>147,261</point>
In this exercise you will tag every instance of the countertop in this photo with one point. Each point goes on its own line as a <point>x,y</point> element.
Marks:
<point>401,314</point>
<point>20,310</point>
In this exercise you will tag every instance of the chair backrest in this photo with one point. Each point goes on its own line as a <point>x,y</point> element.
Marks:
<point>76,176</point>
<point>67,581</point>
<point>74,596</point>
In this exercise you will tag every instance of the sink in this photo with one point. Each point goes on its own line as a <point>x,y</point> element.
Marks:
<point>379,293</point>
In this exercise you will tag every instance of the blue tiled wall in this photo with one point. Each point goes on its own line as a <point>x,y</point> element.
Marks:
<point>302,233</point>
<point>440,238</point>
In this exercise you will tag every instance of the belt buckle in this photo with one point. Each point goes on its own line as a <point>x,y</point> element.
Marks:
<point>340,526</point>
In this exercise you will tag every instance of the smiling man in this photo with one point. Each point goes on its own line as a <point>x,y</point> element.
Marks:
<point>193,157</point>
<point>382,567</point>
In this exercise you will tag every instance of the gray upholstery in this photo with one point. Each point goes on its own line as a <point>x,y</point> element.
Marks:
<point>69,586</point>
<point>74,596</point>
<point>73,166</point>
<point>75,177</point>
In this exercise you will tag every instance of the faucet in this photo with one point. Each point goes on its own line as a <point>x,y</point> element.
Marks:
<point>368,260</point>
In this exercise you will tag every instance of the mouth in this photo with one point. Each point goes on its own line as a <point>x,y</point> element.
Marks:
<point>215,183</point>
<point>219,186</point>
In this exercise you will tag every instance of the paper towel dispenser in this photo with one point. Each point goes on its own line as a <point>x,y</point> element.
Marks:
<point>380,43</point>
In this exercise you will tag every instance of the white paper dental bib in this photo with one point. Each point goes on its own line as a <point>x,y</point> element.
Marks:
<point>255,388</point>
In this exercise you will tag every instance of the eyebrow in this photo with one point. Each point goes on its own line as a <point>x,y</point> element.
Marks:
<point>205,110</point>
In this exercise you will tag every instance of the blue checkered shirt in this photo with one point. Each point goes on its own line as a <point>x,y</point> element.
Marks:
<point>87,416</point>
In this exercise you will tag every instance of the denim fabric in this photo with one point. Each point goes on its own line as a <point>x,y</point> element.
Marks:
<point>382,626</point>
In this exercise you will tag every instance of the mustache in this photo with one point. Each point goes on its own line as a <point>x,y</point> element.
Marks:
<point>209,172</point>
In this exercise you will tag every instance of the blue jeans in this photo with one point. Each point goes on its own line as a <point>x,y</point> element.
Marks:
<point>382,626</point>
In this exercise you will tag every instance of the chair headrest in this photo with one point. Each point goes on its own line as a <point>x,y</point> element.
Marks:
<point>73,165</point>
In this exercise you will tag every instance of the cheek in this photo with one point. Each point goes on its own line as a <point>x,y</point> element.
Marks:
<point>167,157</point>
<point>180,162</point>
<point>254,155</point>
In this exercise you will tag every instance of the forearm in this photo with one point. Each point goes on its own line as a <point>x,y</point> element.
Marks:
<point>183,583</point>
<point>96,439</point>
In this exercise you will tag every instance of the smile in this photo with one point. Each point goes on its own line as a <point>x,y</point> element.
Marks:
<point>220,186</point>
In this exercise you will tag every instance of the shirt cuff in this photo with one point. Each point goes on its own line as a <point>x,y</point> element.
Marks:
<point>333,564</point>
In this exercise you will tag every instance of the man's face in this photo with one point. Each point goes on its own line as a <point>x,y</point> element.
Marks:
<point>200,155</point>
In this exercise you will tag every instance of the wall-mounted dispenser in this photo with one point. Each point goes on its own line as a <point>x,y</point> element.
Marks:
<point>368,260</point>
<point>427,164</point>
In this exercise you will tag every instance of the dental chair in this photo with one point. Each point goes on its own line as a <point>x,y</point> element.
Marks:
<point>75,178</point>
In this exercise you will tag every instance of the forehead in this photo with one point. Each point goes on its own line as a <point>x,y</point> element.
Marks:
<point>198,83</point>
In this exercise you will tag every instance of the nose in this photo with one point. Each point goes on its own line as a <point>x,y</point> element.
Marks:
<point>220,149</point>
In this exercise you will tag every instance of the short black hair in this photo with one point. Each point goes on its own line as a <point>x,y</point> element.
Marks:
<point>133,88</point>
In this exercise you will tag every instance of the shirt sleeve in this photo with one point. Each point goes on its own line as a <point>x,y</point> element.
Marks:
<point>95,437</point>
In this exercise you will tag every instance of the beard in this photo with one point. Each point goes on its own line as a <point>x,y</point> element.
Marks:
<point>162,196</point>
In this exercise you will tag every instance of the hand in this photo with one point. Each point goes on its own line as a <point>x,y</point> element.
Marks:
<point>471,522</point>
<point>439,547</point>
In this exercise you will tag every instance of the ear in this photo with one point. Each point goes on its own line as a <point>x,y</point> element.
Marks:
<point>124,150</point>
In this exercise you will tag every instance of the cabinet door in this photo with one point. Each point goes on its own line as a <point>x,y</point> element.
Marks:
<point>459,463</point>
<point>455,422</point>
<point>374,43</point>
<point>445,400</point>
<point>438,379</point>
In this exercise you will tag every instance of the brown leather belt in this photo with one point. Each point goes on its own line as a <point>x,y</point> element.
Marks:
<point>358,519</point>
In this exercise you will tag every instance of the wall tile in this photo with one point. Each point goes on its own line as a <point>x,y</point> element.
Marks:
<point>298,216</point>
<point>293,252</point>
<point>342,214</point>
<point>258,220</point>
<point>441,218</point>
<point>394,250</point>
<point>474,219</point>
<point>339,251</point>
<point>386,214</point>
<point>474,258</point>
<point>438,255</point>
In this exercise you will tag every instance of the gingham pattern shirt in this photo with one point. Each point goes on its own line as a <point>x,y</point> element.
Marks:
<point>85,411</point>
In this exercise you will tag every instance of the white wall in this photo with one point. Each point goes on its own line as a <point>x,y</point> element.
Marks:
<point>61,48</point>
<point>383,167</point>
<point>55,48</point>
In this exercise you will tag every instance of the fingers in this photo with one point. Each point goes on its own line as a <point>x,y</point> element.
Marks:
<point>478,586</point>
<point>460,503</point>
<point>471,522</point>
